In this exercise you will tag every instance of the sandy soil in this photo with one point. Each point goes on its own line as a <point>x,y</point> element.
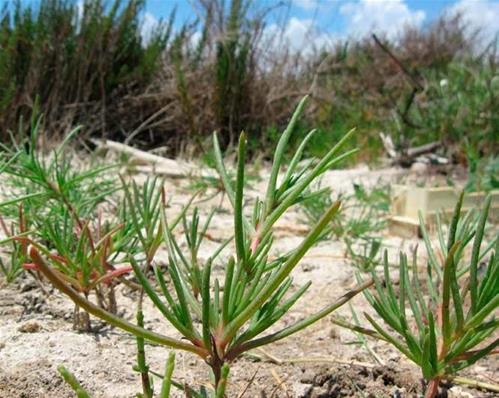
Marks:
<point>324,361</point>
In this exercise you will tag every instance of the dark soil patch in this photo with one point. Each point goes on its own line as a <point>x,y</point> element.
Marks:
<point>357,381</point>
<point>38,380</point>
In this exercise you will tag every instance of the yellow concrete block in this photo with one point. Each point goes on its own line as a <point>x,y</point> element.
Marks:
<point>408,202</point>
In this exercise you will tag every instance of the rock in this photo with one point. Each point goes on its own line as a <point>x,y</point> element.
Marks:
<point>458,392</point>
<point>308,267</point>
<point>27,285</point>
<point>320,392</point>
<point>419,168</point>
<point>302,390</point>
<point>29,327</point>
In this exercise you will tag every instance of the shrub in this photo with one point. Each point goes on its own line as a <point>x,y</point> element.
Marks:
<point>93,65</point>
<point>59,216</point>
<point>254,292</point>
<point>77,59</point>
<point>455,326</point>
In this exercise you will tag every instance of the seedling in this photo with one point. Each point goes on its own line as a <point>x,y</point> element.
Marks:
<point>361,218</point>
<point>164,392</point>
<point>316,205</point>
<point>12,268</point>
<point>58,203</point>
<point>365,255</point>
<point>254,293</point>
<point>18,253</point>
<point>53,184</point>
<point>83,258</point>
<point>455,326</point>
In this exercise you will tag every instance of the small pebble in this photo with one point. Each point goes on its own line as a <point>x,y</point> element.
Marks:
<point>302,390</point>
<point>307,267</point>
<point>333,333</point>
<point>419,168</point>
<point>29,327</point>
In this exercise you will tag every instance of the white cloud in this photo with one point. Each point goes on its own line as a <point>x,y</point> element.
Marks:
<point>149,24</point>
<point>366,16</point>
<point>195,38</point>
<point>79,9</point>
<point>482,14</point>
<point>297,35</point>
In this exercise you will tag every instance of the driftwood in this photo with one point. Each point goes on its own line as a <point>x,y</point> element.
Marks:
<point>408,156</point>
<point>423,149</point>
<point>388,145</point>
<point>142,161</point>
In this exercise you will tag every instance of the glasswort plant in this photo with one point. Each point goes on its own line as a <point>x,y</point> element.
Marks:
<point>455,326</point>
<point>57,213</point>
<point>219,319</point>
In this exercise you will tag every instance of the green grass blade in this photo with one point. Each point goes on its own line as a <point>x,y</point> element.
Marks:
<point>454,222</point>
<point>186,331</point>
<point>225,179</point>
<point>297,157</point>
<point>429,248</point>
<point>302,185</point>
<point>475,256</point>
<point>288,331</point>
<point>167,378</point>
<point>229,273</point>
<point>278,155</point>
<point>72,381</point>
<point>449,269</point>
<point>238,205</point>
<point>206,320</point>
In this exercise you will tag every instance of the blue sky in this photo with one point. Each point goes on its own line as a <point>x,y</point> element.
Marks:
<point>301,8</point>
<point>347,18</point>
<point>326,20</point>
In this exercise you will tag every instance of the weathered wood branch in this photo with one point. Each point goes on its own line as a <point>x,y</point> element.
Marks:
<point>150,163</point>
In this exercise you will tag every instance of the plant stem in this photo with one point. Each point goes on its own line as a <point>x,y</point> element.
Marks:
<point>167,378</point>
<point>73,382</point>
<point>222,382</point>
<point>141,354</point>
<point>475,383</point>
<point>432,389</point>
<point>108,317</point>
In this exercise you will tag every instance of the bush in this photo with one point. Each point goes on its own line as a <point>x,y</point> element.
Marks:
<point>76,63</point>
<point>456,325</point>
<point>95,68</point>
<point>219,318</point>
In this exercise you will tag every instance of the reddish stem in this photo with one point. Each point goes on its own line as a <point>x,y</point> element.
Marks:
<point>432,389</point>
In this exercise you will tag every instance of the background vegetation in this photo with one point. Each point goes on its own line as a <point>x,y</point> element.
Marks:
<point>91,65</point>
